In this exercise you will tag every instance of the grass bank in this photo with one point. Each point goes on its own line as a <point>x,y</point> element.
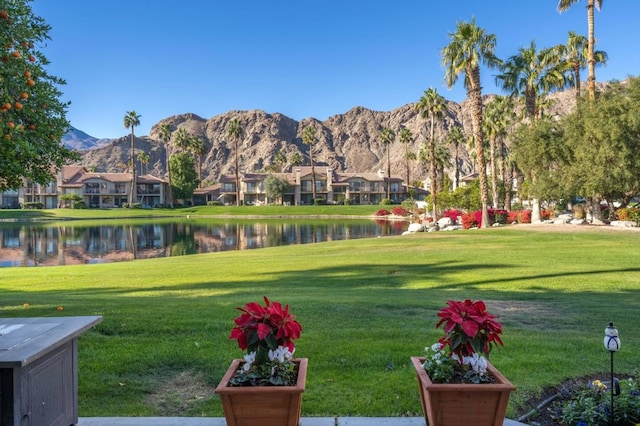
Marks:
<point>366,306</point>
<point>204,211</point>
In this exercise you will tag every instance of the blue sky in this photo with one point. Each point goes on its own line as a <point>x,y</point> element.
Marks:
<point>301,58</point>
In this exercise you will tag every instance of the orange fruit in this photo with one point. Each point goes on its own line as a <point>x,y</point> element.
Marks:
<point>11,124</point>
<point>32,126</point>
<point>30,82</point>
<point>15,54</point>
<point>7,105</point>
<point>27,74</point>
<point>18,105</point>
<point>32,58</point>
<point>4,14</point>
<point>24,95</point>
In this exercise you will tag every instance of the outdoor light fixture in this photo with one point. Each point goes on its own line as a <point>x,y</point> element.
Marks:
<point>612,344</point>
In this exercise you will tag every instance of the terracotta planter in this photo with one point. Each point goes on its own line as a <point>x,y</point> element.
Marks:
<point>463,404</point>
<point>262,405</point>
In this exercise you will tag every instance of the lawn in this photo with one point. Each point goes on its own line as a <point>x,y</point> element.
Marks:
<point>366,307</point>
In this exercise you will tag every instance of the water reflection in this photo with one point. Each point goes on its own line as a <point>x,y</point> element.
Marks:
<point>69,244</point>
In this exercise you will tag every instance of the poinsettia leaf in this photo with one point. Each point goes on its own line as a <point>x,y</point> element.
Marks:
<point>263,330</point>
<point>470,328</point>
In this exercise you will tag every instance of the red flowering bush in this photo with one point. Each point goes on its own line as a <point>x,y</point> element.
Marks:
<point>400,211</point>
<point>266,333</point>
<point>524,216</point>
<point>452,214</point>
<point>469,220</point>
<point>512,217</point>
<point>383,212</point>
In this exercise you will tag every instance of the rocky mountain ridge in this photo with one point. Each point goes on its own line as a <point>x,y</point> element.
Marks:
<point>348,142</point>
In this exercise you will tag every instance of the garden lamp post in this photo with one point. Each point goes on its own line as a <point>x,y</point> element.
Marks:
<point>612,344</point>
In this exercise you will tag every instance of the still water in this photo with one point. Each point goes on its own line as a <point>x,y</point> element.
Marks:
<point>71,244</point>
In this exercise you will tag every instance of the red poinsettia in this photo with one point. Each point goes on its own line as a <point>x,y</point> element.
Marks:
<point>469,328</point>
<point>263,328</point>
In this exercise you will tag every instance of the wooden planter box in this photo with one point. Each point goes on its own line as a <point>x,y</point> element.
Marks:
<point>463,404</point>
<point>262,405</point>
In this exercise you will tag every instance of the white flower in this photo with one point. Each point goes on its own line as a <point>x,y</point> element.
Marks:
<point>249,360</point>
<point>436,347</point>
<point>478,363</point>
<point>281,353</point>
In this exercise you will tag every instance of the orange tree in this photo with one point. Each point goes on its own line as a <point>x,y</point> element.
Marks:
<point>32,118</point>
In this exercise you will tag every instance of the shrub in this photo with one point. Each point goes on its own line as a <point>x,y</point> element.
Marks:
<point>524,216</point>
<point>79,205</point>
<point>409,204</point>
<point>400,211</point>
<point>498,216</point>
<point>386,201</point>
<point>32,205</point>
<point>135,205</point>
<point>452,214</point>
<point>629,213</point>
<point>214,203</point>
<point>469,220</point>
<point>383,212</point>
<point>512,216</point>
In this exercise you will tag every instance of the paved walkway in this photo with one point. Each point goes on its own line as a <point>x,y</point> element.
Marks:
<point>219,421</point>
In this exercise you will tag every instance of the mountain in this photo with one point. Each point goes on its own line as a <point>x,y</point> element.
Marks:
<point>348,142</point>
<point>79,140</point>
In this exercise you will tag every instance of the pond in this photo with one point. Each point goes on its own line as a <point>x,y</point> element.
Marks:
<point>72,243</point>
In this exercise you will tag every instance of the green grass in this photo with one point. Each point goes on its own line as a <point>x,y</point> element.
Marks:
<point>249,211</point>
<point>366,307</point>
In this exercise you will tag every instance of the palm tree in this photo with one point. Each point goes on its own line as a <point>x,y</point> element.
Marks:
<point>406,137</point>
<point>575,54</point>
<point>443,161</point>
<point>564,5</point>
<point>131,120</point>
<point>234,131</point>
<point>198,148</point>
<point>532,73</point>
<point>165,137</point>
<point>280,160</point>
<point>182,139</point>
<point>456,137</point>
<point>496,123</point>
<point>470,46</point>
<point>387,136</point>
<point>309,138</point>
<point>432,106</point>
<point>144,159</point>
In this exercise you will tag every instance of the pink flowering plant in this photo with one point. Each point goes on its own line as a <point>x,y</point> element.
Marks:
<point>470,333</point>
<point>266,334</point>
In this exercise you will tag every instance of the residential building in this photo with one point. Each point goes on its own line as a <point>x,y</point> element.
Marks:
<point>97,190</point>
<point>331,187</point>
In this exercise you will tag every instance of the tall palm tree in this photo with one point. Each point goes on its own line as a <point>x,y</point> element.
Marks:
<point>455,137</point>
<point>182,139</point>
<point>387,136</point>
<point>532,73</point>
<point>432,106</point>
<point>575,54</point>
<point>198,148</point>
<point>234,131</point>
<point>165,137</point>
<point>496,122</point>
<point>564,5</point>
<point>131,120</point>
<point>309,138</point>
<point>406,137</point>
<point>144,159</point>
<point>470,46</point>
